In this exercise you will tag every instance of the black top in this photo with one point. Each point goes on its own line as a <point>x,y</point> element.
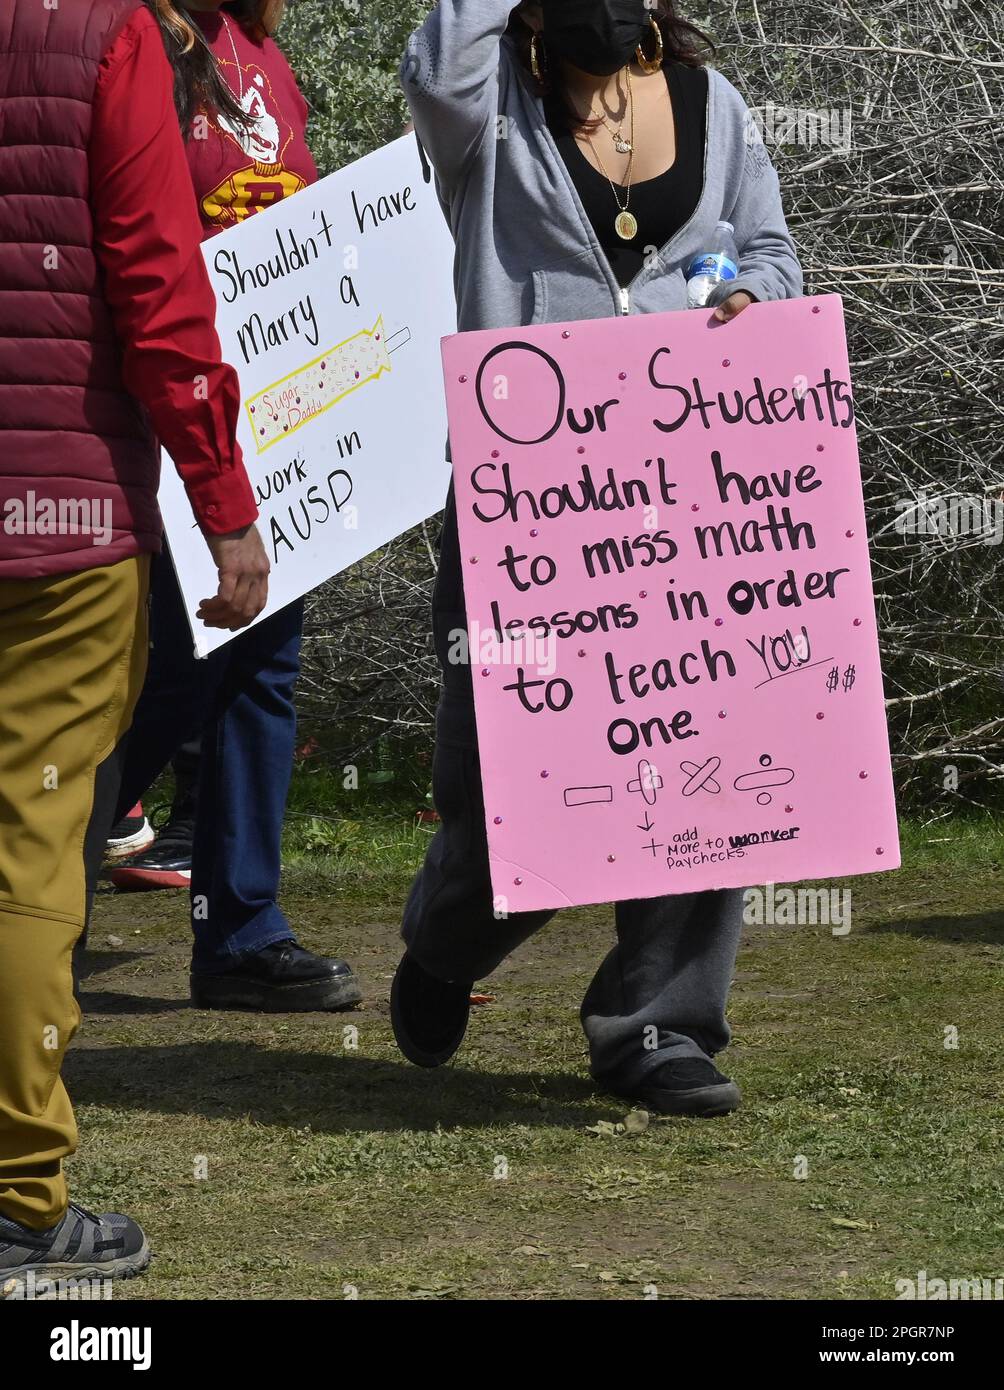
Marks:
<point>661,205</point>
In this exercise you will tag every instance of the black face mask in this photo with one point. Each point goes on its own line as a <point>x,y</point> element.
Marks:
<point>597,36</point>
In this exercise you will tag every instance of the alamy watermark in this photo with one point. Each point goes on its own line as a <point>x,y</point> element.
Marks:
<point>928,1287</point>
<point>79,1342</point>
<point>952,514</point>
<point>805,126</point>
<point>32,515</point>
<point>31,1288</point>
<point>527,648</point>
<point>790,907</point>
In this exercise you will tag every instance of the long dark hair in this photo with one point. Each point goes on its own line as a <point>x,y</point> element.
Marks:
<point>197,80</point>
<point>682,42</point>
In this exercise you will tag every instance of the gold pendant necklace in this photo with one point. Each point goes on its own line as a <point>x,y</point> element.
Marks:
<point>625,223</point>
<point>621,143</point>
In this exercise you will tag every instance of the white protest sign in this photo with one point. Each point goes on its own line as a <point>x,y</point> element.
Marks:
<point>331,306</point>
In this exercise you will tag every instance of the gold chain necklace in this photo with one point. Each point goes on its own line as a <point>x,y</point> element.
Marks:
<point>621,143</point>
<point>625,223</point>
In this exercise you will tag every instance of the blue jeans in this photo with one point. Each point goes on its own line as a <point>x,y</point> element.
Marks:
<point>241,700</point>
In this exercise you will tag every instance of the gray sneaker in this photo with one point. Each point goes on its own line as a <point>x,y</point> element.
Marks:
<point>81,1246</point>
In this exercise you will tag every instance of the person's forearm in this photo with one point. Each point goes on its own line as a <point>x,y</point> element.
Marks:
<point>193,400</point>
<point>450,78</point>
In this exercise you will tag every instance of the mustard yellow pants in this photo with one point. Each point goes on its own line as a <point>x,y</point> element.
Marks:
<point>72,658</point>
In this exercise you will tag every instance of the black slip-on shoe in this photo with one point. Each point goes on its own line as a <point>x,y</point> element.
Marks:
<point>429,1016</point>
<point>281,978</point>
<point>81,1246</point>
<point>688,1086</point>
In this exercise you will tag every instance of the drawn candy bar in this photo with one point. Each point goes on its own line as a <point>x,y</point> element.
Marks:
<point>770,776</point>
<point>648,782</point>
<point>280,410</point>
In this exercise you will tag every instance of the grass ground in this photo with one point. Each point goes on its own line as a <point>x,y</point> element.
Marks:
<point>334,1167</point>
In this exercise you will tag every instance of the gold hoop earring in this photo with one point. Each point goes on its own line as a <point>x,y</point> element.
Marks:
<point>538,63</point>
<point>654,63</point>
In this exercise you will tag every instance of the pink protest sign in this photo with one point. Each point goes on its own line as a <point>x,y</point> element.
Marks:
<point>663,519</point>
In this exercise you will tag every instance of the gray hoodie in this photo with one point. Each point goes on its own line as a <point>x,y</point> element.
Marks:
<point>526,252</point>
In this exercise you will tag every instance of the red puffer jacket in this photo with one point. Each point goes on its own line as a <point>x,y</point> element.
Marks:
<point>74,445</point>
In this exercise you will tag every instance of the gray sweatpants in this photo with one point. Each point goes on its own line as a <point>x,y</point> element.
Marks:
<point>660,993</point>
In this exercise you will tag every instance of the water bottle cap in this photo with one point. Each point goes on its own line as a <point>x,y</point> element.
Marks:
<point>727,224</point>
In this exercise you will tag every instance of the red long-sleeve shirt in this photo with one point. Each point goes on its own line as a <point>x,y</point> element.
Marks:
<point>148,235</point>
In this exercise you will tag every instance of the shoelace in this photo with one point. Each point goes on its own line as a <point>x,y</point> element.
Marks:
<point>84,1213</point>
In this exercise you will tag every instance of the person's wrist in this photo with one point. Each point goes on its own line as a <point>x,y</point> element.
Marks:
<point>217,522</point>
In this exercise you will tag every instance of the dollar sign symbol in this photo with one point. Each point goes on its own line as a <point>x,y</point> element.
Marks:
<point>848,677</point>
<point>833,680</point>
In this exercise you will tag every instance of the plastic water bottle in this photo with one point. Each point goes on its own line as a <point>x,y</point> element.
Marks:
<point>718,263</point>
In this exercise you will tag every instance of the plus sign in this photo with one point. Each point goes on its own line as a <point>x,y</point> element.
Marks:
<point>653,847</point>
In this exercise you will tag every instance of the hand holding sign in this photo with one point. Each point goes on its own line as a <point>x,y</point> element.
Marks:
<point>672,630</point>
<point>732,306</point>
<point>243,569</point>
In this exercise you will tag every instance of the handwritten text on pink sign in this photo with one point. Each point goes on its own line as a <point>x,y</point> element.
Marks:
<point>671,625</point>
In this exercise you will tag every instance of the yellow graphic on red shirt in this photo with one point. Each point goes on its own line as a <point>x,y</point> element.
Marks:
<point>265,179</point>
